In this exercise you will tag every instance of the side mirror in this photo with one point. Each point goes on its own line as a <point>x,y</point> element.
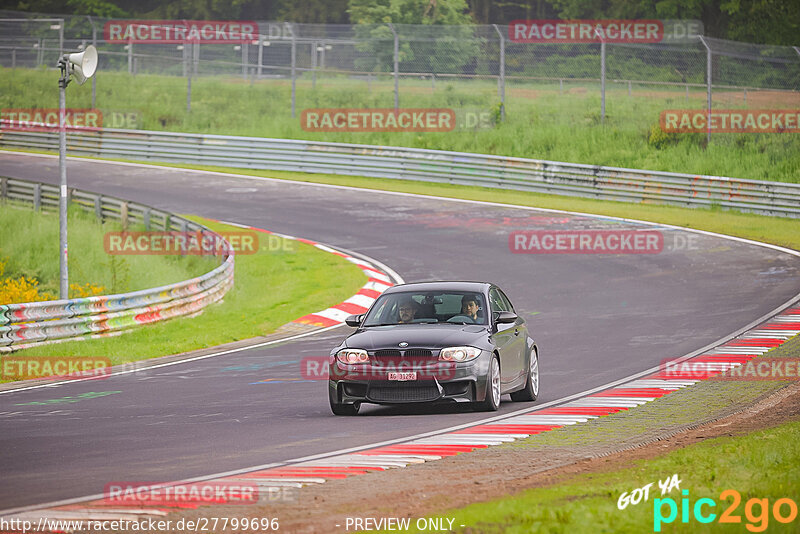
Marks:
<point>506,317</point>
<point>354,320</point>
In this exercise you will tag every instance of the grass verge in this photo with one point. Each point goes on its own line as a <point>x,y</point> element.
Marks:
<point>542,121</point>
<point>29,245</point>
<point>272,287</point>
<point>760,465</point>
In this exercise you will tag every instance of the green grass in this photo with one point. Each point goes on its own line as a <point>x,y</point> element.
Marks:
<point>29,243</point>
<point>272,287</point>
<point>541,123</point>
<point>761,465</point>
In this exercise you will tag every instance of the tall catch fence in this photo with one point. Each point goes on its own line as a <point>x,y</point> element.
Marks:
<point>400,61</point>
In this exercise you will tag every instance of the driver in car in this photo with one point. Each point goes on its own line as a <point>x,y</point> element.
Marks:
<point>407,311</point>
<point>470,307</point>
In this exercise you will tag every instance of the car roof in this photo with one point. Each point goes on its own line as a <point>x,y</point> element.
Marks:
<point>476,287</point>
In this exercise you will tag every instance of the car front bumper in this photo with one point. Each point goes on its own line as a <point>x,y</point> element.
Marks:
<point>436,382</point>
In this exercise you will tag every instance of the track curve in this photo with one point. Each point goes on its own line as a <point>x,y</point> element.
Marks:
<point>596,317</point>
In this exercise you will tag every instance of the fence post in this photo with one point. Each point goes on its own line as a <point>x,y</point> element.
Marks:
<point>37,197</point>
<point>60,37</point>
<point>260,55</point>
<point>189,53</point>
<point>245,59</point>
<point>501,77</point>
<point>94,78</point>
<point>396,67</point>
<point>313,64</point>
<point>294,69</point>
<point>123,215</point>
<point>98,208</point>
<point>3,188</point>
<point>14,61</point>
<point>602,82</point>
<point>146,219</point>
<point>708,87</point>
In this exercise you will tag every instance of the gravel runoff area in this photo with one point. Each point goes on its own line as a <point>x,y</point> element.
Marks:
<point>705,410</point>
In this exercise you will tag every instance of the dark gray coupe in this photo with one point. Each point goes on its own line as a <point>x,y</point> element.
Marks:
<point>435,342</point>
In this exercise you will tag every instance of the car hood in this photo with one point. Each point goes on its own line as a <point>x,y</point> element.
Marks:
<point>433,336</point>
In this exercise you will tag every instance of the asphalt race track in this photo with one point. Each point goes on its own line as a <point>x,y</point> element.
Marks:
<point>596,318</point>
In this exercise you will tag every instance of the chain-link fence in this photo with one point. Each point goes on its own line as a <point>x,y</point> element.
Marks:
<point>403,60</point>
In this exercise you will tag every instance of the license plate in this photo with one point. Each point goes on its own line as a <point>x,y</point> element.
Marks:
<point>411,375</point>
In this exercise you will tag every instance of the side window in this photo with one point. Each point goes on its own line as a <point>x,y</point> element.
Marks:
<point>507,302</point>
<point>497,302</point>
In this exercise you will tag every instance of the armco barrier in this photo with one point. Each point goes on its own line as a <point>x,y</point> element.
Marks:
<point>28,324</point>
<point>591,181</point>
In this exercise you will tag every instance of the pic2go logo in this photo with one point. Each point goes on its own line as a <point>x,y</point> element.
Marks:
<point>756,511</point>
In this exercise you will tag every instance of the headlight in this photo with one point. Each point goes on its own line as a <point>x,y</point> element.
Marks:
<point>459,354</point>
<point>352,356</point>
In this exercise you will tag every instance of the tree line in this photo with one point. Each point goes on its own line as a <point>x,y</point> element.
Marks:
<point>774,22</point>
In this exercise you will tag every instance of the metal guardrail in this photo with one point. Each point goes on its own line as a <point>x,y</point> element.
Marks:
<point>33,323</point>
<point>590,181</point>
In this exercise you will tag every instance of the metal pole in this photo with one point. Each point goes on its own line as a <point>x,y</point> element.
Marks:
<point>396,67</point>
<point>796,49</point>
<point>195,58</point>
<point>501,78</point>
<point>294,70</point>
<point>62,165</point>
<point>60,37</point>
<point>130,55</point>
<point>94,78</point>
<point>260,55</point>
<point>708,87</point>
<point>244,60</point>
<point>602,81</point>
<point>599,35</point>
<point>314,65</point>
<point>189,57</point>
<point>14,59</point>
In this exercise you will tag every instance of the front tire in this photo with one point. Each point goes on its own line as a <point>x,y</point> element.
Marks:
<point>531,390</point>
<point>345,409</point>
<point>492,401</point>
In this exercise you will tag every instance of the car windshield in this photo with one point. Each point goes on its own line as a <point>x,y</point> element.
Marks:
<point>426,307</point>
